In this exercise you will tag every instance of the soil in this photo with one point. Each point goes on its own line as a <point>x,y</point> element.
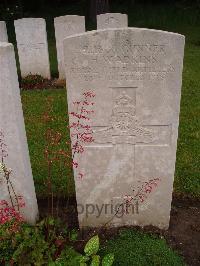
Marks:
<point>183,234</point>
<point>184,230</point>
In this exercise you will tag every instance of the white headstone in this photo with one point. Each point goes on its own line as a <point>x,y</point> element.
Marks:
<point>64,27</point>
<point>12,134</point>
<point>32,46</point>
<point>136,75</point>
<point>112,20</point>
<point>3,32</point>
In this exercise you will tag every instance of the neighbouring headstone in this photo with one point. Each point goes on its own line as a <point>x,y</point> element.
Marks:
<point>112,20</point>
<point>32,46</point>
<point>64,27</point>
<point>3,32</point>
<point>128,170</point>
<point>13,143</point>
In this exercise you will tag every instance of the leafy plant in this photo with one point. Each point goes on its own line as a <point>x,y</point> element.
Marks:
<point>108,259</point>
<point>7,234</point>
<point>32,82</point>
<point>92,246</point>
<point>25,244</point>
<point>47,243</point>
<point>91,249</point>
<point>71,257</point>
<point>33,79</point>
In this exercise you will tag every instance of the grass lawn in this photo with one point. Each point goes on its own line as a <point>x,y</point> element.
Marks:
<point>35,103</point>
<point>185,20</point>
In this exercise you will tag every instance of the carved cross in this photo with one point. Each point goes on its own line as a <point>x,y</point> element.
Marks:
<point>125,128</point>
<point>123,134</point>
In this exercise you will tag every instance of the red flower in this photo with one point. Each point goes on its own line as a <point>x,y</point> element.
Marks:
<point>9,213</point>
<point>78,126</point>
<point>75,164</point>
<point>80,175</point>
<point>89,94</point>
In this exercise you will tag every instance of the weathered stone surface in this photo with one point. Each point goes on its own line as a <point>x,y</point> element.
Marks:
<point>112,20</point>
<point>3,32</point>
<point>12,133</point>
<point>136,75</point>
<point>64,27</point>
<point>32,46</point>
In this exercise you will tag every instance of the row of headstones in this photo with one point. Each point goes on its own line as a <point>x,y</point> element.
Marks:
<point>32,42</point>
<point>136,77</point>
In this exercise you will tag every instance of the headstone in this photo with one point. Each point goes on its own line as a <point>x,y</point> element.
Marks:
<point>64,27</point>
<point>3,32</point>
<point>12,134</point>
<point>136,75</point>
<point>112,20</point>
<point>32,46</point>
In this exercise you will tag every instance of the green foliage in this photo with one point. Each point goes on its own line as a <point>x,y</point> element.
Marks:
<point>31,245</point>
<point>108,259</point>
<point>47,243</point>
<point>37,82</point>
<point>68,257</point>
<point>6,236</point>
<point>132,247</point>
<point>32,79</point>
<point>95,260</point>
<point>91,249</point>
<point>92,246</point>
<point>73,235</point>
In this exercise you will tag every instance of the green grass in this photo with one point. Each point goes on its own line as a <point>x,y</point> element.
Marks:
<point>34,105</point>
<point>131,247</point>
<point>187,178</point>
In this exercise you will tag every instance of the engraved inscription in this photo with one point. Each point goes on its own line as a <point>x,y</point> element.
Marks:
<point>111,21</point>
<point>32,46</point>
<point>69,26</point>
<point>126,61</point>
